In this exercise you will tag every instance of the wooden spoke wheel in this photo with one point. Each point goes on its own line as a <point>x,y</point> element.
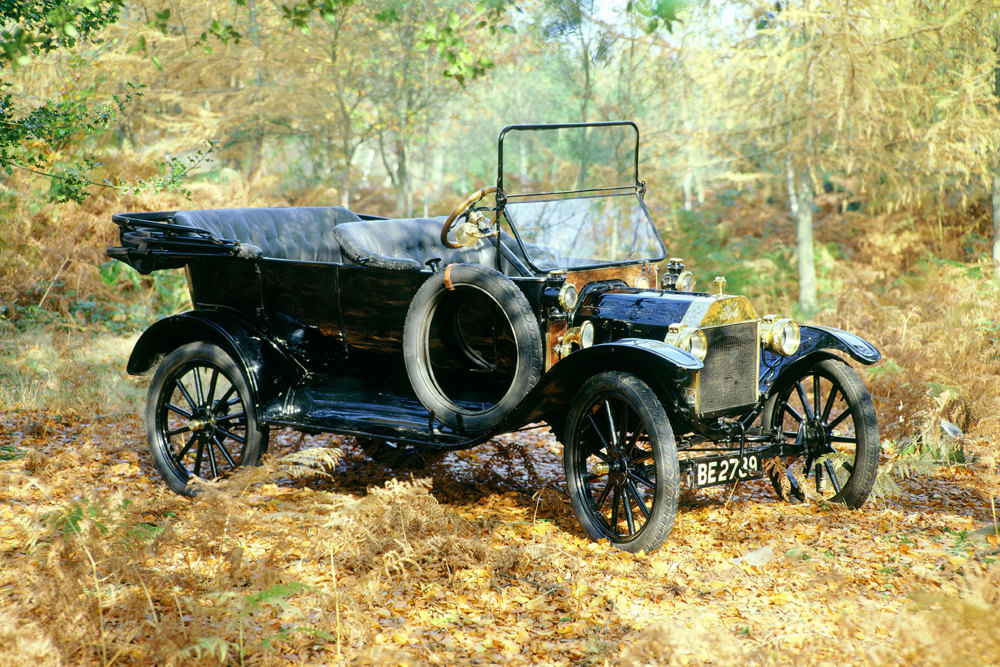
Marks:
<point>621,462</point>
<point>826,415</point>
<point>199,417</point>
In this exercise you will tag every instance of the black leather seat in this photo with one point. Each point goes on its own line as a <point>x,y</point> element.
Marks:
<point>302,233</point>
<point>404,245</point>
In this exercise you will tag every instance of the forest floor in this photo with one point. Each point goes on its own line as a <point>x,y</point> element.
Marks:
<point>477,559</point>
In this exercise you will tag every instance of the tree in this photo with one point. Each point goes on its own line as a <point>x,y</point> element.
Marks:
<point>35,136</point>
<point>894,100</point>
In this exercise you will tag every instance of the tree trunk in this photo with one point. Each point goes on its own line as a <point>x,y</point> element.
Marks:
<point>996,219</point>
<point>255,159</point>
<point>800,197</point>
<point>688,189</point>
<point>345,186</point>
<point>404,199</point>
<point>996,173</point>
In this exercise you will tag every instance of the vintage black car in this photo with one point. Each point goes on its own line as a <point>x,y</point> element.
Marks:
<point>428,335</point>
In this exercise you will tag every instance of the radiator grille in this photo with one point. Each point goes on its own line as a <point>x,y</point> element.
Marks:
<point>729,378</point>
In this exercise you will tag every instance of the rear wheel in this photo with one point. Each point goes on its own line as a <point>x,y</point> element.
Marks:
<point>826,414</point>
<point>621,462</point>
<point>199,417</point>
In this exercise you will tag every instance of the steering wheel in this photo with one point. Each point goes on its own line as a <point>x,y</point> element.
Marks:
<point>463,209</point>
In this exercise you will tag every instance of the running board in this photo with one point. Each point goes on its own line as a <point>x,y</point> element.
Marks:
<point>349,406</point>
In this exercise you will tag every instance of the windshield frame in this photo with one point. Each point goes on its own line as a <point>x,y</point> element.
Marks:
<point>637,187</point>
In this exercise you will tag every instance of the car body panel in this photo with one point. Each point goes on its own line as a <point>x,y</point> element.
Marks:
<point>316,306</point>
<point>267,367</point>
<point>814,340</point>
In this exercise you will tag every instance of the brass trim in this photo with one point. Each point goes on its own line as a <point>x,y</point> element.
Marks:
<point>564,292</point>
<point>694,384</point>
<point>772,327</point>
<point>720,285</point>
<point>721,310</point>
<point>555,332</point>
<point>571,337</point>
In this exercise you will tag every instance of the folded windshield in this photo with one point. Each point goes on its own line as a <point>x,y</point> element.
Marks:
<point>572,194</point>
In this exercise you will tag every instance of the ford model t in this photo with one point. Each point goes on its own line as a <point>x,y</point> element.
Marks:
<point>553,303</point>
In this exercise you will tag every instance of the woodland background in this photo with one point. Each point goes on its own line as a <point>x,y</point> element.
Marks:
<point>834,160</point>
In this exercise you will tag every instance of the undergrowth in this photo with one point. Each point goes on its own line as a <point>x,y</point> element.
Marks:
<point>67,372</point>
<point>115,578</point>
<point>167,581</point>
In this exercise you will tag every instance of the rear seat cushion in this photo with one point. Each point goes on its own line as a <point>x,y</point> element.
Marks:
<point>302,233</point>
<point>404,244</point>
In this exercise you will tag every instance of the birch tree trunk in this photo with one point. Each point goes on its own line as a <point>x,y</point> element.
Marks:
<point>995,192</point>
<point>996,219</point>
<point>800,197</point>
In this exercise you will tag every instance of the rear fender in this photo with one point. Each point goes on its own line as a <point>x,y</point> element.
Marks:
<point>268,370</point>
<point>815,341</point>
<point>663,367</point>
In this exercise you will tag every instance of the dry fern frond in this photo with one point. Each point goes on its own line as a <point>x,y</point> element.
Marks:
<point>315,462</point>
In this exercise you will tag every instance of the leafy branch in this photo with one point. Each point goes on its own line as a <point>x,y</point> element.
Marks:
<point>32,27</point>
<point>452,45</point>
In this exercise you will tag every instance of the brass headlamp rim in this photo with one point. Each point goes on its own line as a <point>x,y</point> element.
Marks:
<point>690,339</point>
<point>679,283</point>
<point>780,334</point>
<point>566,302</point>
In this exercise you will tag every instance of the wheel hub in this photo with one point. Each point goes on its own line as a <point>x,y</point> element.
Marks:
<point>203,420</point>
<point>814,437</point>
<point>618,470</point>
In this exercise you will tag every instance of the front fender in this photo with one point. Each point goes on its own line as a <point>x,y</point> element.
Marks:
<point>815,340</point>
<point>663,367</point>
<point>268,370</point>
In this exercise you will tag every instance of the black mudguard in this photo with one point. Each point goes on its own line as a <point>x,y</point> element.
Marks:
<point>269,371</point>
<point>816,341</point>
<point>663,367</point>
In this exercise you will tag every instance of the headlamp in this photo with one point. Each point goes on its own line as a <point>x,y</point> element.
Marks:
<point>689,339</point>
<point>780,335</point>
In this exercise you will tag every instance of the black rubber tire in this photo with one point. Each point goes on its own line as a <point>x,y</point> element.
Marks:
<point>201,382</point>
<point>396,455</point>
<point>593,438</point>
<point>847,413</point>
<point>416,344</point>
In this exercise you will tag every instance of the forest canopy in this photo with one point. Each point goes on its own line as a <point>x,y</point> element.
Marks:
<point>887,105</point>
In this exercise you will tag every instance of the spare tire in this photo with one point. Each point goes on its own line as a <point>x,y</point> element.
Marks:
<point>472,346</point>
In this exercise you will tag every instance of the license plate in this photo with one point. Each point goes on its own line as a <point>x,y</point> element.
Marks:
<point>725,470</point>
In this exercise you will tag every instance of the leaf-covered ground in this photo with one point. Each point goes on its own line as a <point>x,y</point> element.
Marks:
<point>477,559</point>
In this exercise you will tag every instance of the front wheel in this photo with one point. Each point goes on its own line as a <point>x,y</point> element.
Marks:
<point>199,417</point>
<point>827,420</point>
<point>621,463</point>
